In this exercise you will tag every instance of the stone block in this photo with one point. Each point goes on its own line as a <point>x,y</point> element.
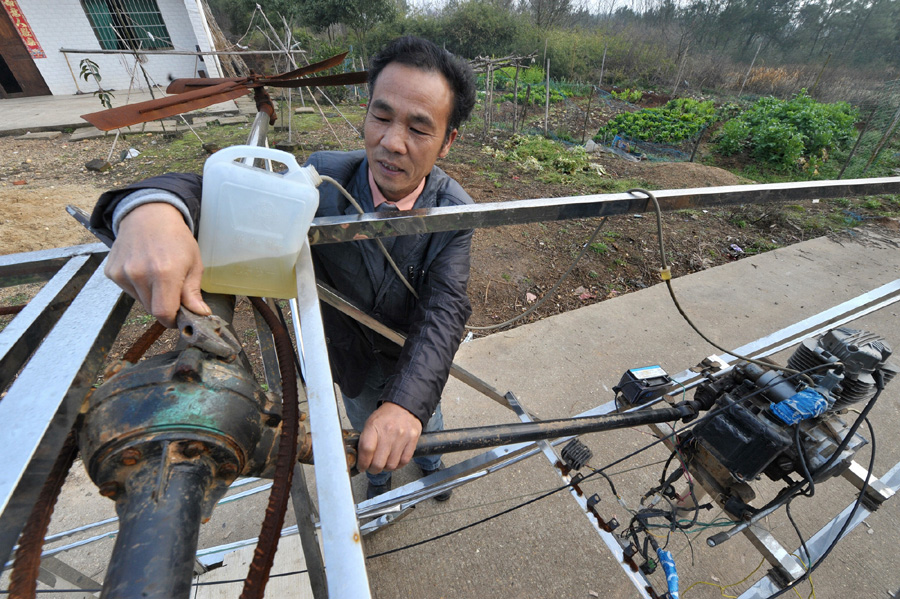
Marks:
<point>41,135</point>
<point>232,120</point>
<point>87,133</point>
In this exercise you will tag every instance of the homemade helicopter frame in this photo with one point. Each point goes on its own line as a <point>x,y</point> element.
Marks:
<point>49,358</point>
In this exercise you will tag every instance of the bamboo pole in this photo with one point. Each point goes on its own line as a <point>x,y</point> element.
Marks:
<point>587,116</point>
<point>547,101</point>
<point>752,62</point>
<point>516,100</point>
<point>603,63</point>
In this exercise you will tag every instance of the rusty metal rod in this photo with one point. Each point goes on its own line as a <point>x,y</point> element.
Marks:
<point>464,439</point>
<point>270,532</point>
<point>23,581</point>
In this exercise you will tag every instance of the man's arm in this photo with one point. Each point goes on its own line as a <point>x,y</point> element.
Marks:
<point>156,260</point>
<point>155,257</point>
<point>413,392</point>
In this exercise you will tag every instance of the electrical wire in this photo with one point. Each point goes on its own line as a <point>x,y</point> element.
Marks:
<point>801,454</point>
<point>722,587</point>
<point>812,587</point>
<point>381,247</point>
<point>666,275</point>
<point>787,510</point>
<point>850,516</point>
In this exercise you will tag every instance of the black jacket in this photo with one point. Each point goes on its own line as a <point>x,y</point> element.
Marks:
<point>436,264</point>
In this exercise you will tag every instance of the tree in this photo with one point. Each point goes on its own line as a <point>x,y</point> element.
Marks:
<point>359,15</point>
<point>478,28</point>
<point>549,13</point>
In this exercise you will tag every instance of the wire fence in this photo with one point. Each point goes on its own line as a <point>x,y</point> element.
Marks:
<point>566,111</point>
<point>880,125</point>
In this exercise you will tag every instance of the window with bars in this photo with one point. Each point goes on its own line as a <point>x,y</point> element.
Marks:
<point>127,24</point>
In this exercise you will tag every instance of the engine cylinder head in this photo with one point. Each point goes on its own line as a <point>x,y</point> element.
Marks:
<point>861,353</point>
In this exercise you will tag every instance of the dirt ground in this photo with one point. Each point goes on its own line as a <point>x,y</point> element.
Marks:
<point>512,267</point>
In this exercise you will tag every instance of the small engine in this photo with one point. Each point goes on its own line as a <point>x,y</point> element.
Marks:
<point>762,418</point>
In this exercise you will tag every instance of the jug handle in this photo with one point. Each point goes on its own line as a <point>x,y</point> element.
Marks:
<point>232,153</point>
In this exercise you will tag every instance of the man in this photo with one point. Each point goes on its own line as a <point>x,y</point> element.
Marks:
<point>419,96</point>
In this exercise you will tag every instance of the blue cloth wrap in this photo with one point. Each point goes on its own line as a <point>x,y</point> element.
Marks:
<point>668,564</point>
<point>800,406</point>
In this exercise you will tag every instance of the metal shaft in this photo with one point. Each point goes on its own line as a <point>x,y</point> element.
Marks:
<point>159,516</point>
<point>464,439</point>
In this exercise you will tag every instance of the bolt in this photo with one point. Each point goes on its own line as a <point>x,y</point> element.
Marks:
<point>130,456</point>
<point>109,489</point>
<point>302,416</point>
<point>194,449</point>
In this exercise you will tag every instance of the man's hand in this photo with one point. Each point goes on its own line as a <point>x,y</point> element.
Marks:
<point>388,439</point>
<point>156,260</point>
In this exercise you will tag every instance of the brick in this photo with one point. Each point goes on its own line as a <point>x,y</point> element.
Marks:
<point>87,133</point>
<point>41,135</point>
<point>232,120</point>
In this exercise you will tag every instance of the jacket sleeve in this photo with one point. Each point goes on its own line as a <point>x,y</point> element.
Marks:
<point>184,185</point>
<point>437,327</point>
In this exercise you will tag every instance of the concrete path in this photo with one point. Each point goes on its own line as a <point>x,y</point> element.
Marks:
<point>564,365</point>
<point>56,113</point>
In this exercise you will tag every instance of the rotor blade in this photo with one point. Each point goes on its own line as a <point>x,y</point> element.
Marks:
<point>141,112</point>
<point>313,68</point>
<point>342,79</point>
<point>179,86</point>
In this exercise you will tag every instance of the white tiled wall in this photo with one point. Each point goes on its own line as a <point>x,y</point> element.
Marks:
<point>63,24</point>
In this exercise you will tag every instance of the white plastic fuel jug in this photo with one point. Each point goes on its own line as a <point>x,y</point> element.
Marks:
<point>254,222</point>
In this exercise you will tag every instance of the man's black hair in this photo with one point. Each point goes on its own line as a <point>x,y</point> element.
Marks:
<point>423,54</point>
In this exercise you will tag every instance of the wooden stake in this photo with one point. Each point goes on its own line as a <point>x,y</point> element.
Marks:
<point>587,115</point>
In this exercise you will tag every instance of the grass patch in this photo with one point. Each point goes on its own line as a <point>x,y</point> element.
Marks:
<point>143,319</point>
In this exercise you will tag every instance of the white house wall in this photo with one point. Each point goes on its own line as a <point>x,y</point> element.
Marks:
<point>203,36</point>
<point>64,24</point>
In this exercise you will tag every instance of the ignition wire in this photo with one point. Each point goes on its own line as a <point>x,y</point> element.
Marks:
<point>665,274</point>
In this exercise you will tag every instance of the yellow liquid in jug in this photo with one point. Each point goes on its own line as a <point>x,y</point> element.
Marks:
<point>264,277</point>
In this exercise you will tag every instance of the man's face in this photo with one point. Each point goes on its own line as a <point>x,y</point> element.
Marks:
<point>406,127</point>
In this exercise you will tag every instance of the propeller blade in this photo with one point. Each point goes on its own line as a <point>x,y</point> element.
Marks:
<point>313,68</point>
<point>141,112</point>
<point>179,86</point>
<point>324,80</point>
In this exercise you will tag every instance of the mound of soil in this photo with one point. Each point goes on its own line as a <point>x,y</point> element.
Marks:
<point>35,218</point>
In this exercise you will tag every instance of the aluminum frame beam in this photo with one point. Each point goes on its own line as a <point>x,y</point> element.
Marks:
<point>47,396</point>
<point>341,539</point>
<point>335,229</point>
<point>820,541</point>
